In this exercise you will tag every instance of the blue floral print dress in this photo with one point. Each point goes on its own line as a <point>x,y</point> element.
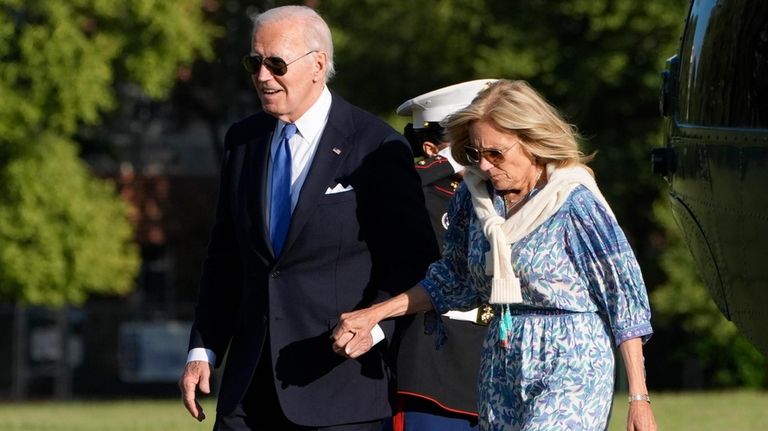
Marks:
<point>582,288</point>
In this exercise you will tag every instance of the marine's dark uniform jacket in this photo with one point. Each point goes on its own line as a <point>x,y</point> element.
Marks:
<point>446,377</point>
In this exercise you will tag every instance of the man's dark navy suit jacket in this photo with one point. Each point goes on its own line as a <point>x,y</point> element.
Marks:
<point>343,251</point>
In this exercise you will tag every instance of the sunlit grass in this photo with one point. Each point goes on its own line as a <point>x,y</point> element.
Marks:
<point>704,411</point>
<point>124,415</point>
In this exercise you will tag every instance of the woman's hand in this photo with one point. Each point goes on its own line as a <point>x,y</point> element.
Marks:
<point>352,336</point>
<point>640,417</point>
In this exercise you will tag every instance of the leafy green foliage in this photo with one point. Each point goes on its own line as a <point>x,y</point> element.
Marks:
<point>598,60</point>
<point>65,234</point>
<point>60,59</point>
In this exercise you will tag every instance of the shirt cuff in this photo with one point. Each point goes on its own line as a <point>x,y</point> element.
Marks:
<point>201,354</point>
<point>446,152</point>
<point>642,330</point>
<point>377,334</point>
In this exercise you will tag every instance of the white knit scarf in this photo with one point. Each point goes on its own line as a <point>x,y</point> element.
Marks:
<point>502,233</point>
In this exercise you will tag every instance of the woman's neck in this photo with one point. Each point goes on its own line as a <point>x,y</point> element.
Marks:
<point>515,197</point>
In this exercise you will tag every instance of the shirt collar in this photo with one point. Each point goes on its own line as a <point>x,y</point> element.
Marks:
<point>313,121</point>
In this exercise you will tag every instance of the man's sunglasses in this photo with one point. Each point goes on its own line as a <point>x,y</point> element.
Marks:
<point>493,155</point>
<point>275,65</point>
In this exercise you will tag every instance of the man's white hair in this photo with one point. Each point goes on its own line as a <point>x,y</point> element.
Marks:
<point>317,34</point>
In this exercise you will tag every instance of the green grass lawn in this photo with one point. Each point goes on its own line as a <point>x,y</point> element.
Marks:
<point>731,411</point>
<point>702,411</point>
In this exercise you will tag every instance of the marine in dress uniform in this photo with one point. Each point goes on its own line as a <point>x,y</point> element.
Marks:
<point>437,388</point>
<point>440,176</point>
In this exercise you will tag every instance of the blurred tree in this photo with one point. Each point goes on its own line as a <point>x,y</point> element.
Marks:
<point>219,92</point>
<point>65,234</point>
<point>598,60</point>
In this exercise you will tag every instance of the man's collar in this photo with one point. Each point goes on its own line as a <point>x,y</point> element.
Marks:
<point>312,122</point>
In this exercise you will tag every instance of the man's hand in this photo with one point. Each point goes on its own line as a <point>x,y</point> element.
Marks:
<point>197,375</point>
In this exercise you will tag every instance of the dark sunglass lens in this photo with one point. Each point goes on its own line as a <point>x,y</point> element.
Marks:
<point>473,155</point>
<point>276,65</point>
<point>252,63</point>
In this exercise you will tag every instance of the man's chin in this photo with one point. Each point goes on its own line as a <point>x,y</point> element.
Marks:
<point>271,109</point>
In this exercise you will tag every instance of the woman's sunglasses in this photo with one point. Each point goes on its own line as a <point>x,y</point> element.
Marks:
<point>275,65</point>
<point>493,155</point>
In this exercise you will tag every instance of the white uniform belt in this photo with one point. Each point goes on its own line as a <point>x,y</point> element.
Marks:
<point>481,315</point>
<point>468,316</point>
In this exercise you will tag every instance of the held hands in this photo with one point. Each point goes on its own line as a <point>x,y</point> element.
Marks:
<point>197,374</point>
<point>352,336</point>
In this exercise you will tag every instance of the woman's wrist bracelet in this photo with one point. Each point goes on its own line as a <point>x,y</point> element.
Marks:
<point>639,397</point>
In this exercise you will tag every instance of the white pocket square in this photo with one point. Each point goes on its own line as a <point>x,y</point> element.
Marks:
<point>339,188</point>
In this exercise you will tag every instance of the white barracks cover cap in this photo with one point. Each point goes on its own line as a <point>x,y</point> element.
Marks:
<point>438,104</point>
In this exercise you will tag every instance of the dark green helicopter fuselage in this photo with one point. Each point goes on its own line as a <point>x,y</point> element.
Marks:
<point>715,103</point>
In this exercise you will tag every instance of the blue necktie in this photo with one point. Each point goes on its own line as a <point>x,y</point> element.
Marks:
<point>280,203</point>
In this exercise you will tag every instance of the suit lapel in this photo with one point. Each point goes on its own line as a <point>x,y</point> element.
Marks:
<point>333,148</point>
<point>255,181</point>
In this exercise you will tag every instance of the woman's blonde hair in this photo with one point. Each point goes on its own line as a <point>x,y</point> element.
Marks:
<point>516,107</point>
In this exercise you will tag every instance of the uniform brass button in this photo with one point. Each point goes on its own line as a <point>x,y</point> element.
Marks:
<point>484,315</point>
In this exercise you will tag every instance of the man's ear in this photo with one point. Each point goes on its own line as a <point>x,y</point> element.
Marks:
<point>320,64</point>
<point>429,148</point>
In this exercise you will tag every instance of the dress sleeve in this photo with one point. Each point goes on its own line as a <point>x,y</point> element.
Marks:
<point>603,255</point>
<point>448,281</point>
